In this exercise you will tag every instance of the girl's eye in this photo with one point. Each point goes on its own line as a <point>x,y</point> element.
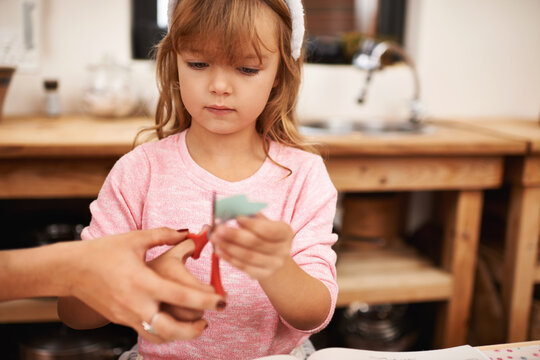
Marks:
<point>248,71</point>
<point>197,65</point>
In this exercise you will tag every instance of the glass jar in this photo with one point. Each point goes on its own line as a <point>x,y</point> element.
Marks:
<point>109,91</point>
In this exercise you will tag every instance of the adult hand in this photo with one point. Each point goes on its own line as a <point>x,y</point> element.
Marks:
<point>113,279</point>
<point>259,246</point>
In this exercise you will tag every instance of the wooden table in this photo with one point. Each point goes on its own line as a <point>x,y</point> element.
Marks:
<point>70,157</point>
<point>521,265</point>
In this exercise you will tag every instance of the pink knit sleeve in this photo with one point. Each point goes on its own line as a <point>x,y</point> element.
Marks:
<point>313,222</point>
<point>119,205</point>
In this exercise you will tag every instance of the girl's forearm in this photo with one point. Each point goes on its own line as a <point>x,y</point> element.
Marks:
<point>303,301</point>
<point>78,315</point>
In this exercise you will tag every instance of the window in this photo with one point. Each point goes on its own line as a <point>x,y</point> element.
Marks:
<point>330,26</point>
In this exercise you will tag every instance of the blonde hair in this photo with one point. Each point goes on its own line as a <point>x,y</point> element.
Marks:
<point>231,25</point>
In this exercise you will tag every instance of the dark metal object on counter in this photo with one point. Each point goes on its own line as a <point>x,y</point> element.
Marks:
<point>58,232</point>
<point>385,327</point>
<point>62,343</point>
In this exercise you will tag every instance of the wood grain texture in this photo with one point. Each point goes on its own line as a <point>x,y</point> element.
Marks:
<point>393,173</point>
<point>441,138</point>
<point>520,259</point>
<point>71,156</point>
<point>68,136</point>
<point>52,178</point>
<point>460,246</point>
<point>523,170</point>
<point>390,276</point>
<point>520,129</point>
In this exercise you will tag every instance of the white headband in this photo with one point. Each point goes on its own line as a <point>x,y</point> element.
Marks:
<point>297,16</point>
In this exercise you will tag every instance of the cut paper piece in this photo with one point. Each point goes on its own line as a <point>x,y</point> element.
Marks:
<point>231,207</point>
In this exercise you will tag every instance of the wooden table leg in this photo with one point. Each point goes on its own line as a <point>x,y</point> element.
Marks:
<point>521,251</point>
<point>462,226</point>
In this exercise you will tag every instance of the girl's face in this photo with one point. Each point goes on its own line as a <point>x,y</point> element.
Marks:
<point>225,98</point>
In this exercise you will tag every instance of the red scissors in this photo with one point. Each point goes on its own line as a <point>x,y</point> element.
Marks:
<point>200,241</point>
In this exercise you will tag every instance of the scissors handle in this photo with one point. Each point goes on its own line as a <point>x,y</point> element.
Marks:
<point>200,241</point>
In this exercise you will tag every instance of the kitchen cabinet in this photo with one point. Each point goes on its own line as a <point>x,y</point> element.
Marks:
<point>521,263</point>
<point>451,159</point>
<point>70,157</point>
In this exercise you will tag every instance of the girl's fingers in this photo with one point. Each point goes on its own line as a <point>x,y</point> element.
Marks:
<point>242,237</point>
<point>265,228</point>
<point>256,272</point>
<point>247,257</point>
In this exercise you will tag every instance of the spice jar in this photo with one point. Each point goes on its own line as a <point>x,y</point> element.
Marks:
<point>52,98</point>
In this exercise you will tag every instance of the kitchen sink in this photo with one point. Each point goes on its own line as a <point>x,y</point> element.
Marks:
<point>346,127</point>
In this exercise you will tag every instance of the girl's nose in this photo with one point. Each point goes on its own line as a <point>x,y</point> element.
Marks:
<point>220,84</point>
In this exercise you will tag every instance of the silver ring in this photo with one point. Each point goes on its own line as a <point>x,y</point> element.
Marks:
<point>150,326</point>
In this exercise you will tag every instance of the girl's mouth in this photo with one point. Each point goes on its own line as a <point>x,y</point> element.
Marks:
<point>219,109</point>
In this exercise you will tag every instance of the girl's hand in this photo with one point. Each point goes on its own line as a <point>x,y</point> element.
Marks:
<point>258,247</point>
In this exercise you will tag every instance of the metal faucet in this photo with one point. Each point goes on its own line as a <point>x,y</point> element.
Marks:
<point>368,58</point>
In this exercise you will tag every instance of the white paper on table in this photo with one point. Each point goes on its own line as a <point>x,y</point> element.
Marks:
<point>465,352</point>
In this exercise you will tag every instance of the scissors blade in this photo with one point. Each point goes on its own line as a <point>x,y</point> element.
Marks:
<point>213,224</point>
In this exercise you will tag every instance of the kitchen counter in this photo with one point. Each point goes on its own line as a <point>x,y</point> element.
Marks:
<point>81,136</point>
<point>68,136</point>
<point>61,157</point>
<point>70,157</point>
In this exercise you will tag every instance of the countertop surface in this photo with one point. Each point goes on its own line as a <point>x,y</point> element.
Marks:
<point>80,136</point>
<point>517,129</point>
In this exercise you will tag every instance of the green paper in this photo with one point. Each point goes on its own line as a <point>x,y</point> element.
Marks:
<point>231,207</point>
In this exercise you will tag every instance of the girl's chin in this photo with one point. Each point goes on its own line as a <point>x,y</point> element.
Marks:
<point>227,129</point>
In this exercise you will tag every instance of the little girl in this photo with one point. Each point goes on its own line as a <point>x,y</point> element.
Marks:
<point>229,73</point>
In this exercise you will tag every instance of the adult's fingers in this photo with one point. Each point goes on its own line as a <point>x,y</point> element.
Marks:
<point>181,295</point>
<point>171,267</point>
<point>182,250</point>
<point>169,329</point>
<point>150,335</point>
<point>161,236</point>
<point>182,313</point>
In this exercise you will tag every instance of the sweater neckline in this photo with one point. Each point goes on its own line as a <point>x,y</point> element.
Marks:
<point>211,182</point>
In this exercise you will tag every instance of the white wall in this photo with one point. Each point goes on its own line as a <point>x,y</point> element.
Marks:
<point>476,58</point>
<point>74,34</point>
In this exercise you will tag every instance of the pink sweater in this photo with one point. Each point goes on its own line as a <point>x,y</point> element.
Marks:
<point>159,184</point>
